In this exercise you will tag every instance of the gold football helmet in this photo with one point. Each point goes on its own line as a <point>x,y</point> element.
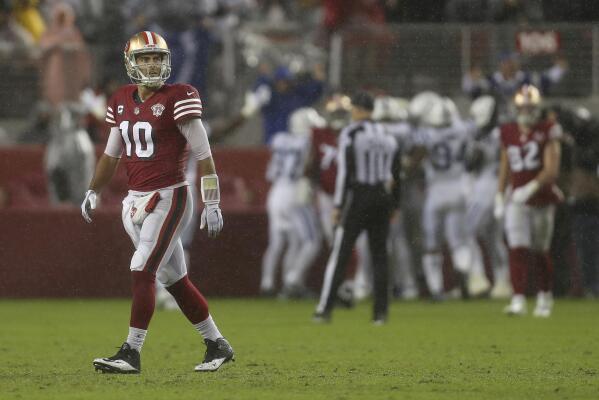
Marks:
<point>143,43</point>
<point>528,105</point>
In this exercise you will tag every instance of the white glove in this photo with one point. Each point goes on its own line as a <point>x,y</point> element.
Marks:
<point>499,208</point>
<point>89,204</point>
<point>250,106</point>
<point>523,193</point>
<point>212,218</point>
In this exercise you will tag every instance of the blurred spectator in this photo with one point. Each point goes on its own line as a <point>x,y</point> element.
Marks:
<point>190,44</point>
<point>339,14</point>
<point>279,94</point>
<point>466,11</point>
<point>508,78</point>
<point>38,126</point>
<point>27,14</point>
<point>93,101</point>
<point>277,11</point>
<point>70,156</point>
<point>516,10</point>
<point>15,40</point>
<point>65,64</point>
<point>570,10</point>
<point>414,10</point>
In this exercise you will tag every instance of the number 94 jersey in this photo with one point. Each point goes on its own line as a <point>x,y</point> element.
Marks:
<point>446,148</point>
<point>525,157</point>
<point>154,149</point>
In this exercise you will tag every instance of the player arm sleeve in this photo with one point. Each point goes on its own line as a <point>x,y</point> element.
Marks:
<point>194,132</point>
<point>114,145</point>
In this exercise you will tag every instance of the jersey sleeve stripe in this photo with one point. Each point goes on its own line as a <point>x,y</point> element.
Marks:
<point>194,112</point>
<point>109,114</point>
<point>110,109</point>
<point>188,101</point>
<point>179,109</point>
<point>112,121</point>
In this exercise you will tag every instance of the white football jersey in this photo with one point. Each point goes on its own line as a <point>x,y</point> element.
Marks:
<point>289,157</point>
<point>446,148</point>
<point>403,133</point>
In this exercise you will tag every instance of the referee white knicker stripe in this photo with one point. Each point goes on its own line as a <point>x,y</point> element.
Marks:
<point>330,270</point>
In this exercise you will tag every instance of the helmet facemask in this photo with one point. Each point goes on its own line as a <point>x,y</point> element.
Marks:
<point>134,70</point>
<point>144,43</point>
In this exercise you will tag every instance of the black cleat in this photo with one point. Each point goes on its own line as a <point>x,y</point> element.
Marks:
<point>217,353</point>
<point>125,361</point>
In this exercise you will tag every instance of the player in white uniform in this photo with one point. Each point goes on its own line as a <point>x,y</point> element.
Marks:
<point>445,141</point>
<point>394,114</point>
<point>307,233</point>
<point>483,187</point>
<point>291,224</point>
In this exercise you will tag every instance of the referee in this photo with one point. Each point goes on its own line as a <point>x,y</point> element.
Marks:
<point>366,189</point>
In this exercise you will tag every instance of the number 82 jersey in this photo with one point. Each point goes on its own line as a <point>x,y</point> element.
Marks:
<point>525,158</point>
<point>154,150</point>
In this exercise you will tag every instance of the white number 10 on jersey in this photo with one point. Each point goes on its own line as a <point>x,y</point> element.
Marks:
<point>144,144</point>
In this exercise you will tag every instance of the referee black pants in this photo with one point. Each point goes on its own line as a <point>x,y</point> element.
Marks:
<point>367,208</point>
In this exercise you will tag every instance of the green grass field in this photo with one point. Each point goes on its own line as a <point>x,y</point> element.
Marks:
<point>455,350</point>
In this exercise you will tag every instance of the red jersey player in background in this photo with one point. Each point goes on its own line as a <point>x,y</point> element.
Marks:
<point>151,124</point>
<point>530,161</point>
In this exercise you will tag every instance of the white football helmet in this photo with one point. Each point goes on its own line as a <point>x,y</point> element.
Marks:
<point>482,111</point>
<point>387,108</point>
<point>303,120</point>
<point>451,108</point>
<point>422,104</point>
<point>439,115</point>
<point>143,43</point>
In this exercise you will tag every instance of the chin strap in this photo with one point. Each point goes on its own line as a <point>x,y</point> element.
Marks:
<point>210,189</point>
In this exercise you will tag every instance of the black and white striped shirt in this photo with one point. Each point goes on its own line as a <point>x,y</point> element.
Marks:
<point>368,156</point>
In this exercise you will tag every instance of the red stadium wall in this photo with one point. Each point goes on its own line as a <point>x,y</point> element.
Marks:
<point>54,253</point>
<point>51,252</point>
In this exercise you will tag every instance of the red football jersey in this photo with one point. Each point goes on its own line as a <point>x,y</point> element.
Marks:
<point>525,158</point>
<point>154,149</point>
<point>324,148</point>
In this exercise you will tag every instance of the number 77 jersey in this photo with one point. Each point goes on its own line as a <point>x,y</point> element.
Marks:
<point>525,158</point>
<point>154,150</point>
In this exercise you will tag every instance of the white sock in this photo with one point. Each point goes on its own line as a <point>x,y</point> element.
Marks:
<point>208,329</point>
<point>136,338</point>
<point>432,264</point>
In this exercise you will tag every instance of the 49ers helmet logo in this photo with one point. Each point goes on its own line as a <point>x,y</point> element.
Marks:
<point>157,109</point>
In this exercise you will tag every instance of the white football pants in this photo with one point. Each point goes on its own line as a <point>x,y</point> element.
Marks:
<point>157,241</point>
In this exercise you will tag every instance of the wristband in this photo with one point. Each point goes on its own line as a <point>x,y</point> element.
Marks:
<point>210,189</point>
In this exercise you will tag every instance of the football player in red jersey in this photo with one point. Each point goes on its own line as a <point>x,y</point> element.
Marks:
<point>151,124</point>
<point>530,160</point>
